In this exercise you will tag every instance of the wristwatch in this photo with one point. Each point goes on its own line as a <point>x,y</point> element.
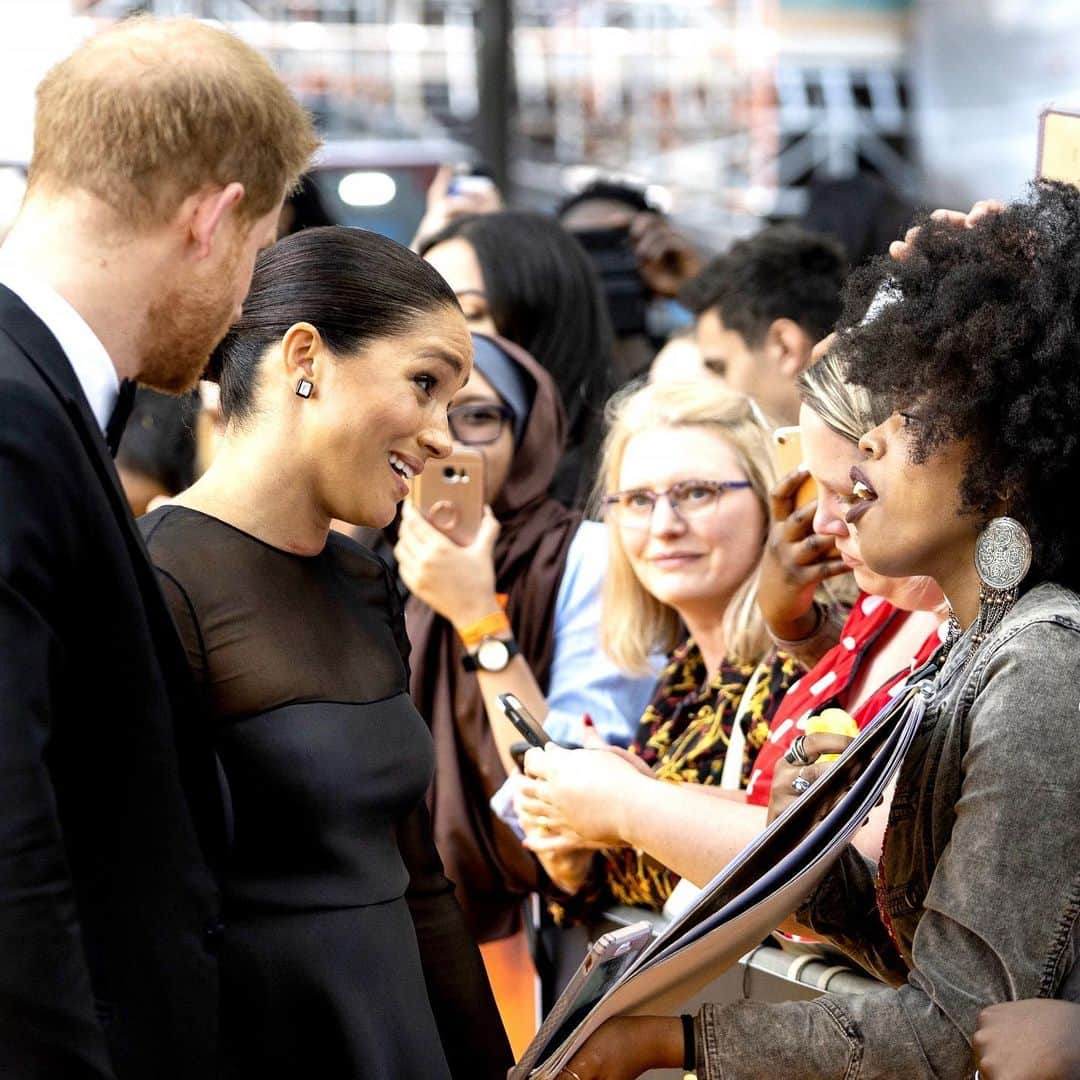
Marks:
<point>492,654</point>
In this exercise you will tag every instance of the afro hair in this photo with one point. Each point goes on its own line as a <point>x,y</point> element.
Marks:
<point>975,335</point>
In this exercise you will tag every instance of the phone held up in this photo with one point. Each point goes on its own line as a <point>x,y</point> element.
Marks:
<point>787,443</point>
<point>450,494</point>
<point>471,179</point>
<point>1059,146</point>
<point>529,727</point>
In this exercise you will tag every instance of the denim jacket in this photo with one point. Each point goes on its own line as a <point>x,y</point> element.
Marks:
<point>980,875</point>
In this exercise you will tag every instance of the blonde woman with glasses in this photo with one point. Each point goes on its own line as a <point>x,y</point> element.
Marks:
<point>686,474</point>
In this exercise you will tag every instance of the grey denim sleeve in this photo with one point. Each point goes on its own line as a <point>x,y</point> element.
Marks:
<point>843,909</point>
<point>999,921</point>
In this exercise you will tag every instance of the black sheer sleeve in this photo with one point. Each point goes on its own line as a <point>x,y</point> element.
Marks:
<point>472,1032</point>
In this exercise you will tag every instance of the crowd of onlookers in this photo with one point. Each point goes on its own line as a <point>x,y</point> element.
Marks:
<point>259,800</point>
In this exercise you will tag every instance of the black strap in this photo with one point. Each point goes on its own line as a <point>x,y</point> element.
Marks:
<point>689,1055</point>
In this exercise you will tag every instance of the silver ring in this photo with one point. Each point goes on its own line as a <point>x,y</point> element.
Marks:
<point>796,752</point>
<point>571,1072</point>
<point>800,785</point>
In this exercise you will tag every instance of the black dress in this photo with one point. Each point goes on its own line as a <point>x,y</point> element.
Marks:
<point>344,953</point>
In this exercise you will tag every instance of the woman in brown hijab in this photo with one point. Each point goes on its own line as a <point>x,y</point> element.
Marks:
<point>542,566</point>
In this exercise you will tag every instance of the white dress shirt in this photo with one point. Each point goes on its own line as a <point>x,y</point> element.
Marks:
<point>81,345</point>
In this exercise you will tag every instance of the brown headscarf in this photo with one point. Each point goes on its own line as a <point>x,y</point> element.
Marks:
<point>493,872</point>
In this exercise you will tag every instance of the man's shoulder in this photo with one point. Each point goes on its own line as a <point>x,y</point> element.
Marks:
<point>31,414</point>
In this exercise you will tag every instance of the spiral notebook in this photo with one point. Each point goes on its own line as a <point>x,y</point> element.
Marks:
<point>756,891</point>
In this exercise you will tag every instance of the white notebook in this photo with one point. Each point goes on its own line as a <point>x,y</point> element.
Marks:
<point>761,886</point>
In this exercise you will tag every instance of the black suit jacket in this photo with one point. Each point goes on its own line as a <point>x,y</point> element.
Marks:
<point>110,809</point>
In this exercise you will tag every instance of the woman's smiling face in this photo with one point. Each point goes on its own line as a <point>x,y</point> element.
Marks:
<point>686,562</point>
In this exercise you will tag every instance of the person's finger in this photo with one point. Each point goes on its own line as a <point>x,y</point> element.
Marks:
<point>822,348</point>
<point>537,762</point>
<point>956,218</point>
<point>409,546</point>
<point>799,524</point>
<point>812,549</point>
<point>593,740</point>
<point>488,533</point>
<point>824,742</point>
<point>642,223</point>
<point>654,246</point>
<point>554,843</point>
<point>983,208</point>
<point>439,186</point>
<point>829,568</point>
<point>528,787</point>
<point>782,495</point>
<point>422,532</point>
<point>535,809</point>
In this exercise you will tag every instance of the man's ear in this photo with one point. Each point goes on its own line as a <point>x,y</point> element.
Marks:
<point>209,212</point>
<point>789,346</point>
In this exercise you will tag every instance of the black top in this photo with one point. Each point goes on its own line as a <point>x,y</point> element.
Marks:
<point>332,876</point>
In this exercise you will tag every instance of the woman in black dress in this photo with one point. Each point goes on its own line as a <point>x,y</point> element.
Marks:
<point>344,952</point>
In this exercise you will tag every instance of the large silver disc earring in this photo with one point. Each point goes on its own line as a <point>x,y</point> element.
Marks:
<point>1002,560</point>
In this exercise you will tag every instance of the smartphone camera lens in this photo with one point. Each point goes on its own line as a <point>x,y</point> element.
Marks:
<point>449,472</point>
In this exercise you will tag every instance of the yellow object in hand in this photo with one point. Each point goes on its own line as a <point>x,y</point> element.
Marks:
<point>832,722</point>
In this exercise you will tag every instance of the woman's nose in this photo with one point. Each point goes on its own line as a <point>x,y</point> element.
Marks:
<point>665,520</point>
<point>436,439</point>
<point>827,519</point>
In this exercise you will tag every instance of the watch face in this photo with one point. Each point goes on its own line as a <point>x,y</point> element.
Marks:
<point>493,655</point>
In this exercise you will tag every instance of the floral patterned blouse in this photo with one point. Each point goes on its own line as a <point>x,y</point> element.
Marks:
<point>684,735</point>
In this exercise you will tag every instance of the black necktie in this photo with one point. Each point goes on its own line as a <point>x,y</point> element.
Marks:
<point>119,418</point>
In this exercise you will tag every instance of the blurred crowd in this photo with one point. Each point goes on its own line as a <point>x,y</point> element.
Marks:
<point>705,516</point>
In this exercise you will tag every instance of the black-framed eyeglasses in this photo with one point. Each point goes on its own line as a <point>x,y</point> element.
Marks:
<point>688,499</point>
<point>479,422</point>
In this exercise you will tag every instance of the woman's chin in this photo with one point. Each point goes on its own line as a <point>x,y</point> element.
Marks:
<point>370,517</point>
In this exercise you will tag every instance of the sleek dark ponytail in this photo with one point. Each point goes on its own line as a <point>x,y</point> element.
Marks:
<point>354,286</point>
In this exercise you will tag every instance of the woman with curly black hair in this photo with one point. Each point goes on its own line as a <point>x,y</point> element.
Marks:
<point>972,344</point>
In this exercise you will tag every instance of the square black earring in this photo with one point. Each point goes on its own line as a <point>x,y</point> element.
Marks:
<point>304,388</point>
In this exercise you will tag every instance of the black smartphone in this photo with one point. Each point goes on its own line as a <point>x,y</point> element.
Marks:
<point>523,720</point>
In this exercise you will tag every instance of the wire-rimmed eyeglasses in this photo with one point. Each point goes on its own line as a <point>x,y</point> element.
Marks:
<point>478,423</point>
<point>688,499</point>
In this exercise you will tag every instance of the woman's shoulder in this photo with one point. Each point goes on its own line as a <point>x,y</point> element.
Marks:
<point>176,538</point>
<point>354,558</point>
<point>589,547</point>
<point>1045,614</point>
<point>1046,602</point>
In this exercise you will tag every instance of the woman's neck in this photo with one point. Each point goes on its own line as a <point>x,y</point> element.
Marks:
<point>253,488</point>
<point>707,630</point>
<point>961,585</point>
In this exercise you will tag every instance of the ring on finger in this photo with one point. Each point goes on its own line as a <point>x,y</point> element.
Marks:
<point>796,752</point>
<point>569,1072</point>
<point>800,784</point>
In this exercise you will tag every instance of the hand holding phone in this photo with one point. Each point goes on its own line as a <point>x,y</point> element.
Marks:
<point>787,442</point>
<point>450,494</point>
<point>1059,146</point>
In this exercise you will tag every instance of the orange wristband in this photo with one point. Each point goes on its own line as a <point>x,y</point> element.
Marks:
<point>488,626</point>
